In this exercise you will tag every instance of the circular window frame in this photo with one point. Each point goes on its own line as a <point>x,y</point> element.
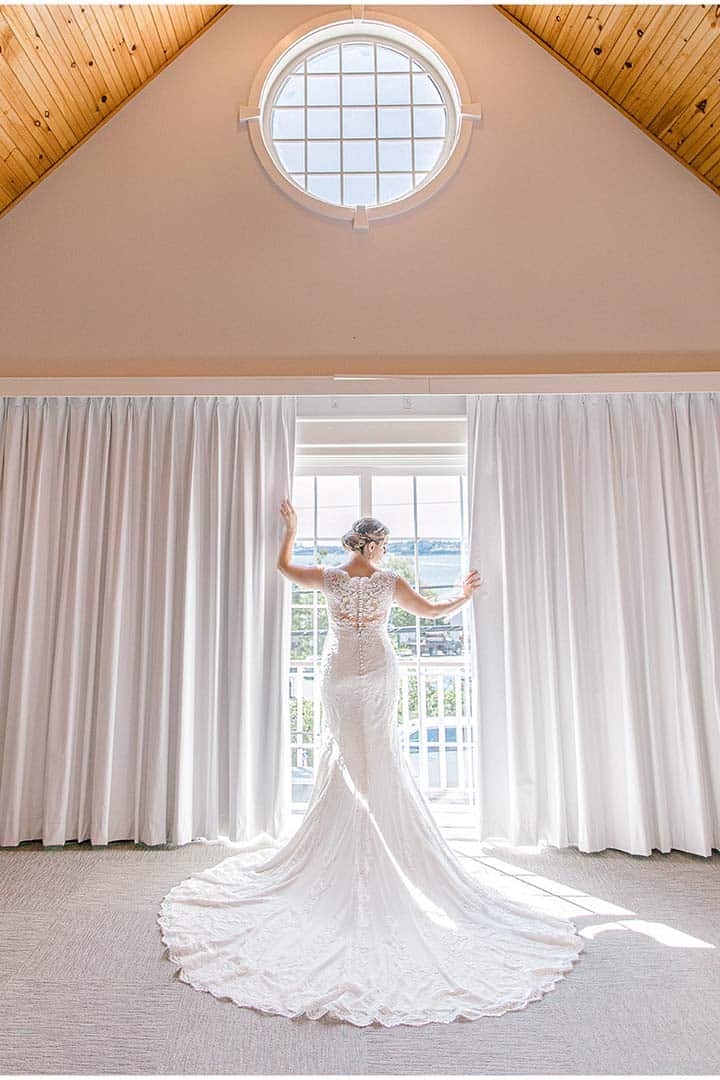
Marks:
<point>341,26</point>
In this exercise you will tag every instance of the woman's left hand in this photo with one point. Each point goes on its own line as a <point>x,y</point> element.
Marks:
<point>472,582</point>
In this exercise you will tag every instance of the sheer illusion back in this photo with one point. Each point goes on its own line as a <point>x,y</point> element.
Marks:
<point>365,914</point>
<point>362,607</point>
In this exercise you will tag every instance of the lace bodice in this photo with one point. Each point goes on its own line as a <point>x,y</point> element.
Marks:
<point>358,602</point>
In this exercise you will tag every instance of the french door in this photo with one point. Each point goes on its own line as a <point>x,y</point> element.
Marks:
<point>425,510</point>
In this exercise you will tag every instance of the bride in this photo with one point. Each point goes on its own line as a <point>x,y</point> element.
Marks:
<point>366,913</point>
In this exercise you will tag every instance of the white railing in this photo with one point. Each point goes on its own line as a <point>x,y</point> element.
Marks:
<point>434,720</point>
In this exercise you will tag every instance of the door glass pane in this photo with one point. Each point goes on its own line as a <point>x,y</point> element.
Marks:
<point>304,501</point>
<point>439,565</point>
<point>438,506</point>
<point>338,504</point>
<point>392,498</point>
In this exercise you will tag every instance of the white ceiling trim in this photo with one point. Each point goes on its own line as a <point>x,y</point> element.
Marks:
<point>329,386</point>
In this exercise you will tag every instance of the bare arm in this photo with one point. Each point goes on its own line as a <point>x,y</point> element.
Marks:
<point>309,576</point>
<point>409,600</point>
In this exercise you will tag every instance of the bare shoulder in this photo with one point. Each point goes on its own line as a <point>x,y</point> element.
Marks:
<point>401,585</point>
<point>402,590</point>
<point>409,600</point>
<point>311,577</point>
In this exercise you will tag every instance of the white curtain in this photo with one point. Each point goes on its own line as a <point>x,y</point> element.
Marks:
<point>595,520</point>
<point>143,623</point>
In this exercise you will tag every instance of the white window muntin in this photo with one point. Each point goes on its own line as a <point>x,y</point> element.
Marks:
<point>396,129</point>
<point>398,145</point>
<point>379,34</point>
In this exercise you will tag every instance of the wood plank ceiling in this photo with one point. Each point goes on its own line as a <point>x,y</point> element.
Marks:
<point>64,70</point>
<point>659,64</point>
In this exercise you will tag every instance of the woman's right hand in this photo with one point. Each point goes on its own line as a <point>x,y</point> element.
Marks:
<point>289,515</point>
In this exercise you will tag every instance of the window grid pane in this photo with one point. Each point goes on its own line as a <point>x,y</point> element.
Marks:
<point>340,103</point>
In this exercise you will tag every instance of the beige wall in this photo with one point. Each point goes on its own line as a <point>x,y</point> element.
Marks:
<point>568,241</point>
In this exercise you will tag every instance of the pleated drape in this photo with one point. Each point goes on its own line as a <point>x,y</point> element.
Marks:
<point>595,521</point>
<point>143,623</point>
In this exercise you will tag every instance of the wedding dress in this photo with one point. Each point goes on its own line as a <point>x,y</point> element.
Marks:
<point>366,913</point>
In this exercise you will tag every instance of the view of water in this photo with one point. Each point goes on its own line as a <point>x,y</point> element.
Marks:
<point>439,565</point>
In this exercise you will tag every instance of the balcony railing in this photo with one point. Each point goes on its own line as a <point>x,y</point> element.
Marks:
<point>436,731</point>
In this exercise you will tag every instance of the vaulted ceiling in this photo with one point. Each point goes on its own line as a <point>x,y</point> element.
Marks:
<point>659,64</point>
<point>65,69</point>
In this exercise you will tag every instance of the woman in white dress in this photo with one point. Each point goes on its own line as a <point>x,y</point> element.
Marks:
<point>365,914</point>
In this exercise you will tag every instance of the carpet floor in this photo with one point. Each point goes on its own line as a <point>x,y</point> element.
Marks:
<point>86,986</point>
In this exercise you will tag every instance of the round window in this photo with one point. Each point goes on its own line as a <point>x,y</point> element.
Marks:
<point>360,114</point>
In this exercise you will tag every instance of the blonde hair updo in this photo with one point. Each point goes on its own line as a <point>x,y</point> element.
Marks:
<point>363,531</point>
